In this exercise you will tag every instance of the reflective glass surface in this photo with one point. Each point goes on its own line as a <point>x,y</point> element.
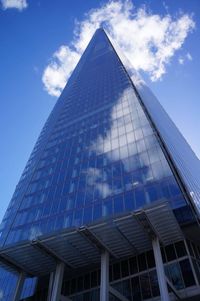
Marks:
<point>184,159</point>
<point>8,282</point>
<point>98,156</point>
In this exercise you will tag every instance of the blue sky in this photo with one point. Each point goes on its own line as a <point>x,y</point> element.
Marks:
<point>39,50</point>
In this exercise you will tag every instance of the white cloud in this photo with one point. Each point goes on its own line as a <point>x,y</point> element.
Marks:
<point>34,232</point>
<point>186,57</point>
<point>181,60</point>
<point>18,4</point>
<point>111,146</point>
<point>59,70</point>
<point>95,177</point>
<point>189,57</point>
<point>148,40</point>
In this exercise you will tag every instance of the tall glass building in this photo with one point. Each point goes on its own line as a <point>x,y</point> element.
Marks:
<point>108,205</point>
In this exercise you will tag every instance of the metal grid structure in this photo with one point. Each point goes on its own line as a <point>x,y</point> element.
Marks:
<point>123,236</point>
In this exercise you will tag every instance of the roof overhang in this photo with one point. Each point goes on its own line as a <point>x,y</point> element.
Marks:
<point>122,236</point>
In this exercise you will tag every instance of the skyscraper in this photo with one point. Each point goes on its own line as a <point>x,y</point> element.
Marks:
<point>107,207</point>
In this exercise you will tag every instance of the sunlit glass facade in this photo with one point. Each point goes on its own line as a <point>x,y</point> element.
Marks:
<point>100,156</point>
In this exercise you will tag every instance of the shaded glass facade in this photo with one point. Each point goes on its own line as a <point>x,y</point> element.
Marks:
<point>98,156</point>
<point>135,277</point>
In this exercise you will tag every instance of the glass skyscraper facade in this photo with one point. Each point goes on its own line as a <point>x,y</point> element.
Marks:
<point>107,152</point>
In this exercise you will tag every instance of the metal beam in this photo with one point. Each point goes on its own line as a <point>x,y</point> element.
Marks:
<point>117,294</point>
<point>67,246</point>
<point>41,245</point>
<point>144,222</point>
<point>164,294</point>
<point>57,283</point>
<point>104,286</point>
<point>126,239</point>
<point>97,243</point>
<point>174,290</point>
<point>19,287</point>
<point>64,298</point>
<point>13,264</point>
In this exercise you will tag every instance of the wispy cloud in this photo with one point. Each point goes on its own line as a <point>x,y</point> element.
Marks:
<point>95,178</point>
<point>148,40</point>
<point>18,4</point>
<point>187,57</point>
<point>181,60</point>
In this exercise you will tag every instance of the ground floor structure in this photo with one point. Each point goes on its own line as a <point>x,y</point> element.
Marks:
<point>142,256</point>
<point>134,278</point>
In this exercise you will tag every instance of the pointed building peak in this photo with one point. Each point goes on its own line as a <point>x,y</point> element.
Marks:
<point>100,30</point>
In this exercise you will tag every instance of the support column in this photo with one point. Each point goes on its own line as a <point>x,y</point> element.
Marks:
<point>104,287</point>
<point>57,282</point>
<point>50,288</point>
<point>164,294</point>
<point>19,287</point>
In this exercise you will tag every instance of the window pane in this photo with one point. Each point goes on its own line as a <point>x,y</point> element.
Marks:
<point>133,265</point>
<point>170,252</point>
<point>187,273</point>
<point>142,262</point>
<point>175,275</point>
<point>150,259</point>
<point>139,197</point>
<point>116,271</point>
<point>124,268</point>
<point>180,249</point>
<point>154,283</point>
<point>118,204</point>
<point>145,286</point>
<point>129,200</point>
<point>136,291</point>
<point>126,289</point>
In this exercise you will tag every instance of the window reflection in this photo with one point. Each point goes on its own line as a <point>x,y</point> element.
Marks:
<point>101,158</point>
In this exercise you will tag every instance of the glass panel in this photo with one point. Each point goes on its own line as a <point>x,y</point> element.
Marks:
<point>150,259</point>
<point>87,281</point>
<point>73,286</point>
<point>136,291</point>
<point>129,201</point>
<point>142,262</point>
<point>170,252</point>
<point>124,268</point>
<point>118,204</point>
<point>140,197</point>
<point>154,283</point>
<point>197,269</point>
<point>187,273</point>
<point>145,286</point>
<point>133,265</point>
<point>180,249</point>
<point>80,283</point>
<point>126,289</point>
<point>175,275</point>
<point>116,271</point>
<point>94,281</point>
